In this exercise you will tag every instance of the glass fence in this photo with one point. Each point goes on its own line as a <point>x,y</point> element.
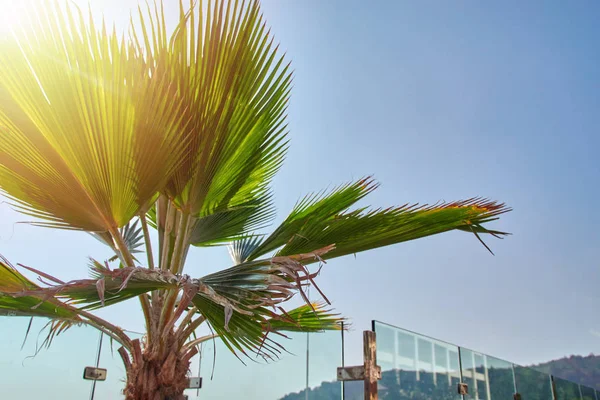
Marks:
<point>30,371</point>
<point>415,367</point>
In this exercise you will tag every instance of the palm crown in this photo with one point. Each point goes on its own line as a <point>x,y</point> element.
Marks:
<point>180,132</point>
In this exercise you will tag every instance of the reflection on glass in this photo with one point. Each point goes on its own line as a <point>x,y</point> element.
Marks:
<point>532,384</point>
<point>587,393</point>
<point>474,374</point>
<point>501,378</point>
<point>488,378</point>
<point>415,367</point>
<point>566,390</point>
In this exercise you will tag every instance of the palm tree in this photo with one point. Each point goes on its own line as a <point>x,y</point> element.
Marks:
<point>175,137</point>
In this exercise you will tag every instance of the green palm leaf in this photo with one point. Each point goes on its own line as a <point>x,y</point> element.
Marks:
<point>235,89</point>
<point>307,318</point>
<point>322,206</point>
<point>323,220</point>
<point>132,237</point>
<point>232,224</point>
<point>239,301</point>
<point>365,229</point>
<point>87,134</point>
<point>13,283</point>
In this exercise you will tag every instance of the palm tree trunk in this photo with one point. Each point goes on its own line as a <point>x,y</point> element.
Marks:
<point>157,373</point>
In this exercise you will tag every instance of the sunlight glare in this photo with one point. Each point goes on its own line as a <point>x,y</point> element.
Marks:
<point>11,14</point>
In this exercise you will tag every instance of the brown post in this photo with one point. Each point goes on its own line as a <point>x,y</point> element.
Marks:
<point>371,370</point>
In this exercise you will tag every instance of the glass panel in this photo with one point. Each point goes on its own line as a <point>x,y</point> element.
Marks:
<point>488,378</point>
<point>587,393</point>
<point>284,379</point>
<point>324,357</point>
<point>415,367</point>
<point>566,390</point>
<point>35,372</point>
<point>354,390</point>
<point>501,378</point>
<point>472,368</point>
<point>532,384</point>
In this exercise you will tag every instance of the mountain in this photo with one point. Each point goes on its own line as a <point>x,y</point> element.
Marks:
<point>578,369</point>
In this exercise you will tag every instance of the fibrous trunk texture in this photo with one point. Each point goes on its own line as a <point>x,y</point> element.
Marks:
<point>157,373</point>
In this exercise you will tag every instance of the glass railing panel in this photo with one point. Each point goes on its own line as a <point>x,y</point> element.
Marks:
<point>566,390</point>
<point>488,378</point>
<point>475,375</point>
<point>354,390</point>
<point>283,379</point>
<point>415,366</point>
<point>324,357</point>
<point>587,393</point>
<point>501,378</point>
<point>532,384</point>
<point>35,372</point>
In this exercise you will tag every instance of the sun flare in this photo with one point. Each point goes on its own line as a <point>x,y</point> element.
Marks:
<point>12,13</point>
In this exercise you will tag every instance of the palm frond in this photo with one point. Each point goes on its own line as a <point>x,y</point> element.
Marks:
<point>240,302</point>
<point>13,283</point>
<point>20,296</point>
<point>87,134</point>
<point>133,238</point>
<point>235,90</point>
<point>233,224</point>
<point>110,286</point>
<point>324,219</point>
<point>56,298</point>
<point>364,229</point>
<point>306,318</point>
<point>241,249</point>
<point>312,209</point>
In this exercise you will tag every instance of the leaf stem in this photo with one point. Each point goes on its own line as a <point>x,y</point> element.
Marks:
<point>192,327</point>
<point>169,222</point>
<point>196,342</point>
<point>122,247</point>
<point>128,259</point>
<point>180,241</point>
<point>147,240</point>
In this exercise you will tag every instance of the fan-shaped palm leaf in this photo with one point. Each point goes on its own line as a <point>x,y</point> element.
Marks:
<point>235,89</point>
<point>87,134</point>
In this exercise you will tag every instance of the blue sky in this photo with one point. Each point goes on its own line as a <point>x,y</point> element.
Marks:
<point>439,101</point>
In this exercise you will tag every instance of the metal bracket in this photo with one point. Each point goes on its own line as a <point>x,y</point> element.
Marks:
<point>194,383</point>
<point>463,388</point>
<point>356,373</point>
<point>94,374</point>
<point>517,396</point>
